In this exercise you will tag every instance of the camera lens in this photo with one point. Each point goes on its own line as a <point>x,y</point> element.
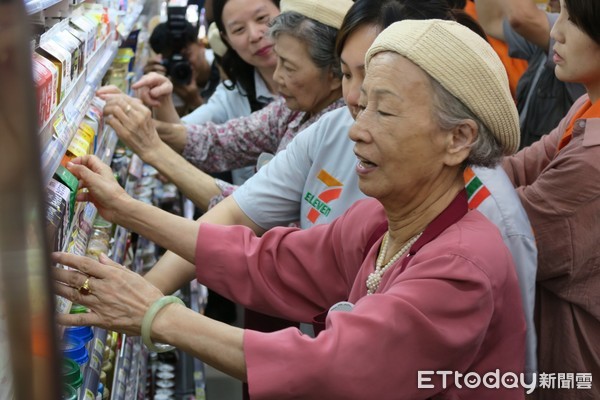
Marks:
<point>181,73</point>
<point>179,70</point>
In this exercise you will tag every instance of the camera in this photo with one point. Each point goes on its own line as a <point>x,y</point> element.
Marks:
<point>177,66</point>
<point>178,69</point>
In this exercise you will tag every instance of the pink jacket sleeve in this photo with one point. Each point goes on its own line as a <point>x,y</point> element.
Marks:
<point>434,317</point>
<point>270,276</point>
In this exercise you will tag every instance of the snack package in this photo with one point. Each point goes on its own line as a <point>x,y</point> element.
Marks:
<point>81,38</point>
<point>42,78</point>
<point>64,176</point>
<point>90,28</point>
<point>72,45</point>
<point>61,58</point>
<point>54,71</point>
<point>58,210</point>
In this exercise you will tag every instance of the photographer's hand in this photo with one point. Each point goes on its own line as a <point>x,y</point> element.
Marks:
<point>154,64</point>
<point>190,94</point>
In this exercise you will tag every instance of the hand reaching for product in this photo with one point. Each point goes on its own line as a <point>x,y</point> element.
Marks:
<point>133,123</point>
<point>154,89</point>
<point>103,189</point>
<point>117,297</point>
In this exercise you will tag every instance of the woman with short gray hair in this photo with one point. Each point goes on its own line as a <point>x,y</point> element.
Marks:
<point>435,293</point>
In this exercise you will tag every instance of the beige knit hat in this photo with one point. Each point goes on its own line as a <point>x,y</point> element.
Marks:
<point>464,64</point>
<point>215,41</point>
<point>328,12</point>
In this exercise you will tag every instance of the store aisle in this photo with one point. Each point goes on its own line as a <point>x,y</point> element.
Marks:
<point>220,386</point>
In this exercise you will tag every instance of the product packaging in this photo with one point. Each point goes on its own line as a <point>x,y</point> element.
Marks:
<point>42,79</point>
<point>61,58</point>
<point>57,201</point>
<point>68,179</point>
<point>54,71</point>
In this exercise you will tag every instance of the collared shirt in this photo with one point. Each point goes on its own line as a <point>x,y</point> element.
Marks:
<point>226,104</point>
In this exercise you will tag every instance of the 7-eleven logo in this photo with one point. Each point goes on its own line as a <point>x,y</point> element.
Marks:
<point>320,203</point>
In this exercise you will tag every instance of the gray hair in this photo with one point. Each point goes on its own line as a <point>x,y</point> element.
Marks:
<point>450,112</point>
<point>319,38</point>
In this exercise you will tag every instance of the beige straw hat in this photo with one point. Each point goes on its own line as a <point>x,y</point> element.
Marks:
<point>464,64</point>
<point>328,12</point>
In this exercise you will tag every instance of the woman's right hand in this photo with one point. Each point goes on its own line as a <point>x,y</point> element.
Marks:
<point>102,188</point>
<point>133,123</point>
<point>153,89</point>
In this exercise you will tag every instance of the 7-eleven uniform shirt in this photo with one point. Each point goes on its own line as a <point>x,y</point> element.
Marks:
<point>490,191</point>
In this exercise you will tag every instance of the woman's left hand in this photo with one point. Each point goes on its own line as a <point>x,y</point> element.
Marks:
<point>117,298</point>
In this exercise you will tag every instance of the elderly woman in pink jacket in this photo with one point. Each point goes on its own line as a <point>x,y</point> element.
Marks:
<point>418,295</point>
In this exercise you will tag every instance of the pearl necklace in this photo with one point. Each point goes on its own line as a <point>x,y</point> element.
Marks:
<point>374,278</point>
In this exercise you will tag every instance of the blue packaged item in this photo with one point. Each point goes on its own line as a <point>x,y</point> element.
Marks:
<point>74,349</point>
<point>84,333</point>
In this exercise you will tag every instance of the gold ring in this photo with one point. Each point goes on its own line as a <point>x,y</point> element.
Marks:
<point>128,109</point>
<point>85,288</point>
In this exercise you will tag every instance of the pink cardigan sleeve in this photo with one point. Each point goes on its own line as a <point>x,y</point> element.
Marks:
<point>435,316</point>
<point>287,272</point>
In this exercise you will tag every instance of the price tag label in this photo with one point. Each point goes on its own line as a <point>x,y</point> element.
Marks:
<point>62,130</point>
<point>70,112</point>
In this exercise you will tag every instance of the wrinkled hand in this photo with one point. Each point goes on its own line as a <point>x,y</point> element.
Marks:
<point>153,89</point>
<point>133,123</point>
<point>105,91</point>
<point>118,297</point>
<point>103,189</point>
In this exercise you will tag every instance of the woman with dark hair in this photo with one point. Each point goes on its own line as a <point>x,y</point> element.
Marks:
<point>236,60</point>
<point>556,179</point>
<point>250,64</point>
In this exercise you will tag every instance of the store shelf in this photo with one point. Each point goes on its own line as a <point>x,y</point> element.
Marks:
<point>35,6</point>
<point>77,243</point>
<point>125,27</point>
<point>106,149</point>
<point>57,134</point>
<point>91,373</point>
<point>129,369</point>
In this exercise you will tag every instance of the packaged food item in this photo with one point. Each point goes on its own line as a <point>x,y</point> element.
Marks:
<point>90,28</point>
<point>71,373</point>
<point>61,58</point>
<point>81,144</point>
<point>92,120</point>
<point>98,14</point>
<point>68,179</point>
<point>98,243</point>
<point>81,38</point>
<point>69,43</point>
<point>69,393</point>
<point>78,309</point>
<point>74,349</point>
<point>42,79</point>
<point>82,333</point>
<point>58,209</point>
<point>54,71</point>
